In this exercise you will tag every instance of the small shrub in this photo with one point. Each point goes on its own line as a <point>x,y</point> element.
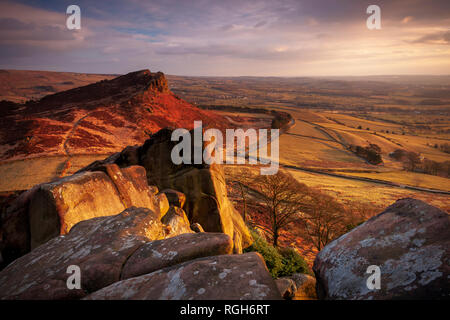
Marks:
<point>292,263</point>
<point>273,259</point>
<point>280,262</point>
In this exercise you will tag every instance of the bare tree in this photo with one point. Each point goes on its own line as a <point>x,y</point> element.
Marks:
<point>357,212</point>
<point>322,219</point>
<point>281,197</point>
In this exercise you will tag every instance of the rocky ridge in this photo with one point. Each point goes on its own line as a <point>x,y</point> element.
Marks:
<point>99,118</point>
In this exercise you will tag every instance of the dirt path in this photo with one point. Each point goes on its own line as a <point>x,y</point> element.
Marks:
<point>71,132</point>
<point>65,165</point>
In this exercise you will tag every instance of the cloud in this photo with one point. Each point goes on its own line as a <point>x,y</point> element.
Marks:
<point>434,38</point>
<point>260,24</point>
<point>13,29</point>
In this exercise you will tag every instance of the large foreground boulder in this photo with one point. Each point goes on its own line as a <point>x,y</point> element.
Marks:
<point>133,244</point>
<point>230,277</point>
<point>53,208</point>
<point>99,247</point>
<point>409,242</point>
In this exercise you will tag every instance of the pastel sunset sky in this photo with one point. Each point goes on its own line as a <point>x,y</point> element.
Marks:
<point>228,38</point>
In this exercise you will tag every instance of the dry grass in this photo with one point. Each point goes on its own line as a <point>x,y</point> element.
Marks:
<point>407,178</point>
<point>24,174</point>
<point>349,190</point>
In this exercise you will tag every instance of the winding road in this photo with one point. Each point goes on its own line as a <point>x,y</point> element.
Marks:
<point>342,176</point>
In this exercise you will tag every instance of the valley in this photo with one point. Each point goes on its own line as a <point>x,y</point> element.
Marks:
<point>329,115</point>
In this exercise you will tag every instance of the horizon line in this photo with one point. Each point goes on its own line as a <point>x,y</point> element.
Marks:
<point>240,76</point>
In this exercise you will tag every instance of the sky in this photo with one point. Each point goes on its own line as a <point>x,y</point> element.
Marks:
<point>228,37</point>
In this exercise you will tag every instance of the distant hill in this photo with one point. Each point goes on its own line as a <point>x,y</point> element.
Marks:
<point>102,117</point>
<point>21,85</point>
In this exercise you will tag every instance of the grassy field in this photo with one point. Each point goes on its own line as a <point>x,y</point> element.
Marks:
<point>378,195</point>
<point>24,174</point>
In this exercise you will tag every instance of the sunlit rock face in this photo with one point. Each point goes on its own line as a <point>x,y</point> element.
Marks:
<point>53,208</point>
<point>103,117</point>
<point>298,286</point>
<point>203,185</point>
<point>409,242</point>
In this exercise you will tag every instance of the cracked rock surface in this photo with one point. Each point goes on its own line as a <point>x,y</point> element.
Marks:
<point>135,245</point>
<point>409,242</point>
<point>229,277</point>
<point>99,246</point>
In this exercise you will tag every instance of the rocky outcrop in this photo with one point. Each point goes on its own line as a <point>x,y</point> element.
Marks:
<point>120,181</point>
<point>99,247</point>
<point>203,185</point>
<point>51,209</point>
<point>409,242</point>
<point>229,277</point>
<point>126,256</point>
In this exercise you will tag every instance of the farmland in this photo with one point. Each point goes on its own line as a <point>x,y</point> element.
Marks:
<point>409,113</point>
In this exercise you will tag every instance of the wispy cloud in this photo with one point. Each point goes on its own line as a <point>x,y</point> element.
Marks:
<point>435,38</point>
